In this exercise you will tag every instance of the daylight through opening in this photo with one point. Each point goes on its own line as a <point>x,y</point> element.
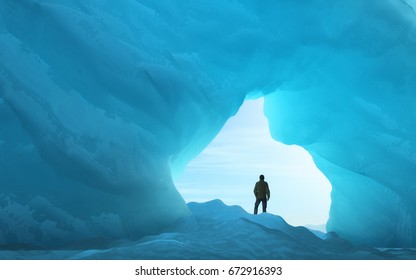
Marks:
<point>229,167</point>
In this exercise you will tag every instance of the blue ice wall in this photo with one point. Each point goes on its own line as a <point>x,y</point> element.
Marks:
<point>351,102</point>
<point>99,100</point>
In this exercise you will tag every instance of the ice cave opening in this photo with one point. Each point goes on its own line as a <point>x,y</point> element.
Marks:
<point>230,165</point>
<point>150,91</point>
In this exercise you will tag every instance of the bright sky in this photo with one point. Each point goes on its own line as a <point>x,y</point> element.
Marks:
<point>230,166</point>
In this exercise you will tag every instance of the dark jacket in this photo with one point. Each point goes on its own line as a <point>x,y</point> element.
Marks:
<point>261,190</point>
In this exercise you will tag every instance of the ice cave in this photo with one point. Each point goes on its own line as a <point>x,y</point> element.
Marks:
<point>101,101</point>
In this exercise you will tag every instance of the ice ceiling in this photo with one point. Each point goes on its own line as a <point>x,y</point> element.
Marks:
<point>100,99</point>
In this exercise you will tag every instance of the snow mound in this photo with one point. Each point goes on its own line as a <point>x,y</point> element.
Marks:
<point>218,231</point>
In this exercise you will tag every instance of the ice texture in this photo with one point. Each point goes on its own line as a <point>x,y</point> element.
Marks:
<point>218,231</point>
<point>101,101</point>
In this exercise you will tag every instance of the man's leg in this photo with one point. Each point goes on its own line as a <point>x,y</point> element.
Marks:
<point>256,206</point>
<point>264,204</point>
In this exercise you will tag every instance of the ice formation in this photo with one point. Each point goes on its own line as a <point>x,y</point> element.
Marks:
<point>100,100</point>
<point>217,231</point>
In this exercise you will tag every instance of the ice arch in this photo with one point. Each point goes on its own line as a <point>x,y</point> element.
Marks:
<point>99,100</point>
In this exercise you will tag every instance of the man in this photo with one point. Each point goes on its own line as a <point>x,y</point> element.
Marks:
<point>262,193</point>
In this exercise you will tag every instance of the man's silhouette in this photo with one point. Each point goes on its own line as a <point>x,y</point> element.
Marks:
<point>262,193</point>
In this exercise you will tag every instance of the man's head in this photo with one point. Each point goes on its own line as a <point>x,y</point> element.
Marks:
<point>261,177</point>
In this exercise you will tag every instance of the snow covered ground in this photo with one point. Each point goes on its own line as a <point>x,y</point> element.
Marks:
<point>218,231</point>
